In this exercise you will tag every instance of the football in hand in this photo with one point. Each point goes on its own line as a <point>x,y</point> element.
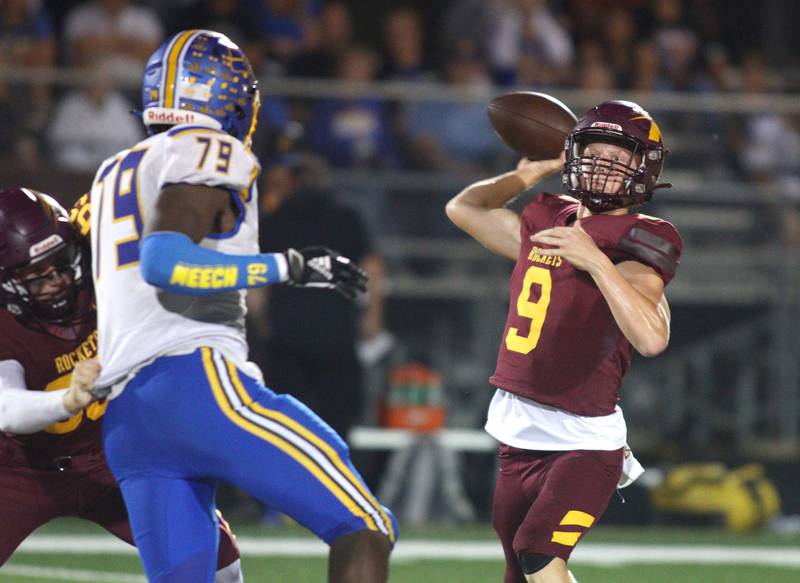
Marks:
<point>534,125</point>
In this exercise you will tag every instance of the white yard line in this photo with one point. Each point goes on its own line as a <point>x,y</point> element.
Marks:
<point>417,549</point>
<point>64,574</point>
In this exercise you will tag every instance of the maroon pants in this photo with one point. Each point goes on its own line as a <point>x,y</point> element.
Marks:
<point>34,493</point>
<point>544,501</point>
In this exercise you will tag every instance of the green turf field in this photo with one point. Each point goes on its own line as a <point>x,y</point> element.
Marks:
<point>118,567</point>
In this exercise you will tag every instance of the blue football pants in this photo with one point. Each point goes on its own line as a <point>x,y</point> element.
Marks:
<point>185,422</point>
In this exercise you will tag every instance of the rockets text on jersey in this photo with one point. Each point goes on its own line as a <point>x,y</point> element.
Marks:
<point>47,362</point>
<point>561,345</point>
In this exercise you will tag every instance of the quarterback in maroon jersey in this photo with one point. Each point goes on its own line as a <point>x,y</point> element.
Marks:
<point>587,288</point>
<point>51,461</point>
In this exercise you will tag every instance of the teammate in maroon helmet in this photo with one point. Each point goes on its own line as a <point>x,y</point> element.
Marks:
<point>51,460</point>
<point>587,288</point>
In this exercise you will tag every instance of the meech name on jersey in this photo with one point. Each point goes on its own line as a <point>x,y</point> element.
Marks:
<point>216,276</point>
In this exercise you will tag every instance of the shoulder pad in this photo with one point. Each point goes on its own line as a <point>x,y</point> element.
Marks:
<point>209,157</point>
<point>549,199</point>
<point>80,215</point>
<point>656,243</point>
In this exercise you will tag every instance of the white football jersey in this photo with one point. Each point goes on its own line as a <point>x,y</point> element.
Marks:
<point>138,322</point>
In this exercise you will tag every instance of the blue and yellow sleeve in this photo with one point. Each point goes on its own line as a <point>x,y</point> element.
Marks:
<point>173,262</point>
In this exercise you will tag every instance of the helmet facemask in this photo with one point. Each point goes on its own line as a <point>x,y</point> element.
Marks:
<point>603,185</point>
<point>605,182</point>
<point>49,292</point>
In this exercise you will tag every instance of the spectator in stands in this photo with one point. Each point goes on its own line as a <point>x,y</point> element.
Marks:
<point>676,44</point>
<point>456,136</point>
<point>587,17</point>
<point>230,17</point>
<point>91,124</point>
<point>619,36</point>
<point>596,76</point>
<point>721,73</point>
<point>468,20</point>
<point>26,34</point>
<point>238,19</point>
<point>285,29</point>
<point>770,147</point>
<point>353,132</point>
<point>404,46</point>
<point>647,75</point>
<point>300,211</point>
<point>335,35</point>
<point>526,33</point>
<point>26,40</point>
<point>115,32</point>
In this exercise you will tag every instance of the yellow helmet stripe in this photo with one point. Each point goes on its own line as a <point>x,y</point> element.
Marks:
<point>172,67</point>
<point>655,131</point>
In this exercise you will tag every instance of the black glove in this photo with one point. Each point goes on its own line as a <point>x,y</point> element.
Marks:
<point>324,268</point>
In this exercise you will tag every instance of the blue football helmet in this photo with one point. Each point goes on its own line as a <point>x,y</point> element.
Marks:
<point>202,77</point>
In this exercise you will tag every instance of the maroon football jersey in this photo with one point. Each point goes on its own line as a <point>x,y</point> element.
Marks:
<point>48,362</point>
<point>561,345</point>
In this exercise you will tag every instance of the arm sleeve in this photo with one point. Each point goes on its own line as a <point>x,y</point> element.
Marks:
<point>23,411</point>
<point>173,262</point>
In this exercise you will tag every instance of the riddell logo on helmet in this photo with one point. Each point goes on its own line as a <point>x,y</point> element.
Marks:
<point>167,117</point>
<point>607,125</point>
<point>46,245</point>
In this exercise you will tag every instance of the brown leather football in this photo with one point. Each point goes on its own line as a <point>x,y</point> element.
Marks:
<point>532,124</point>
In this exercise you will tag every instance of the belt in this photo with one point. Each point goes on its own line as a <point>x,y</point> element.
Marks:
<point>15,454</point>
<point>61,463</point>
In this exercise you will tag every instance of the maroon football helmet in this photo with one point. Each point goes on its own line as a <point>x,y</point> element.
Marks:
<point>42,268</point>
<point>626,125</point>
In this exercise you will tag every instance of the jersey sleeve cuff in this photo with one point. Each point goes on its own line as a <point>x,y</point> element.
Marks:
<point>283,266</point>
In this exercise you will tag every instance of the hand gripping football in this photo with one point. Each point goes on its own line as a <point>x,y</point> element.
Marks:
<point>532,124</point>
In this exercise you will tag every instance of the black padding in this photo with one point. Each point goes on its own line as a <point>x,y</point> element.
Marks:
<point>651,249</point>
<point>654,241</point>
<point>533,562</point>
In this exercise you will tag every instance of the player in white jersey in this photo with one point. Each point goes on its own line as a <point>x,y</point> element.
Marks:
<point>175,242</point>
<point>150,321</point>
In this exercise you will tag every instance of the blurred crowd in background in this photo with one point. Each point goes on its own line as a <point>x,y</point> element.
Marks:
<point>602,45</point>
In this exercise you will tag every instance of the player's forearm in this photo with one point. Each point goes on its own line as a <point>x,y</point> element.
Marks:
<point>478,211</point>
<point>493,193</point>
<point>172,261</point>
<point>23,411</point>
<point>644,323</point>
